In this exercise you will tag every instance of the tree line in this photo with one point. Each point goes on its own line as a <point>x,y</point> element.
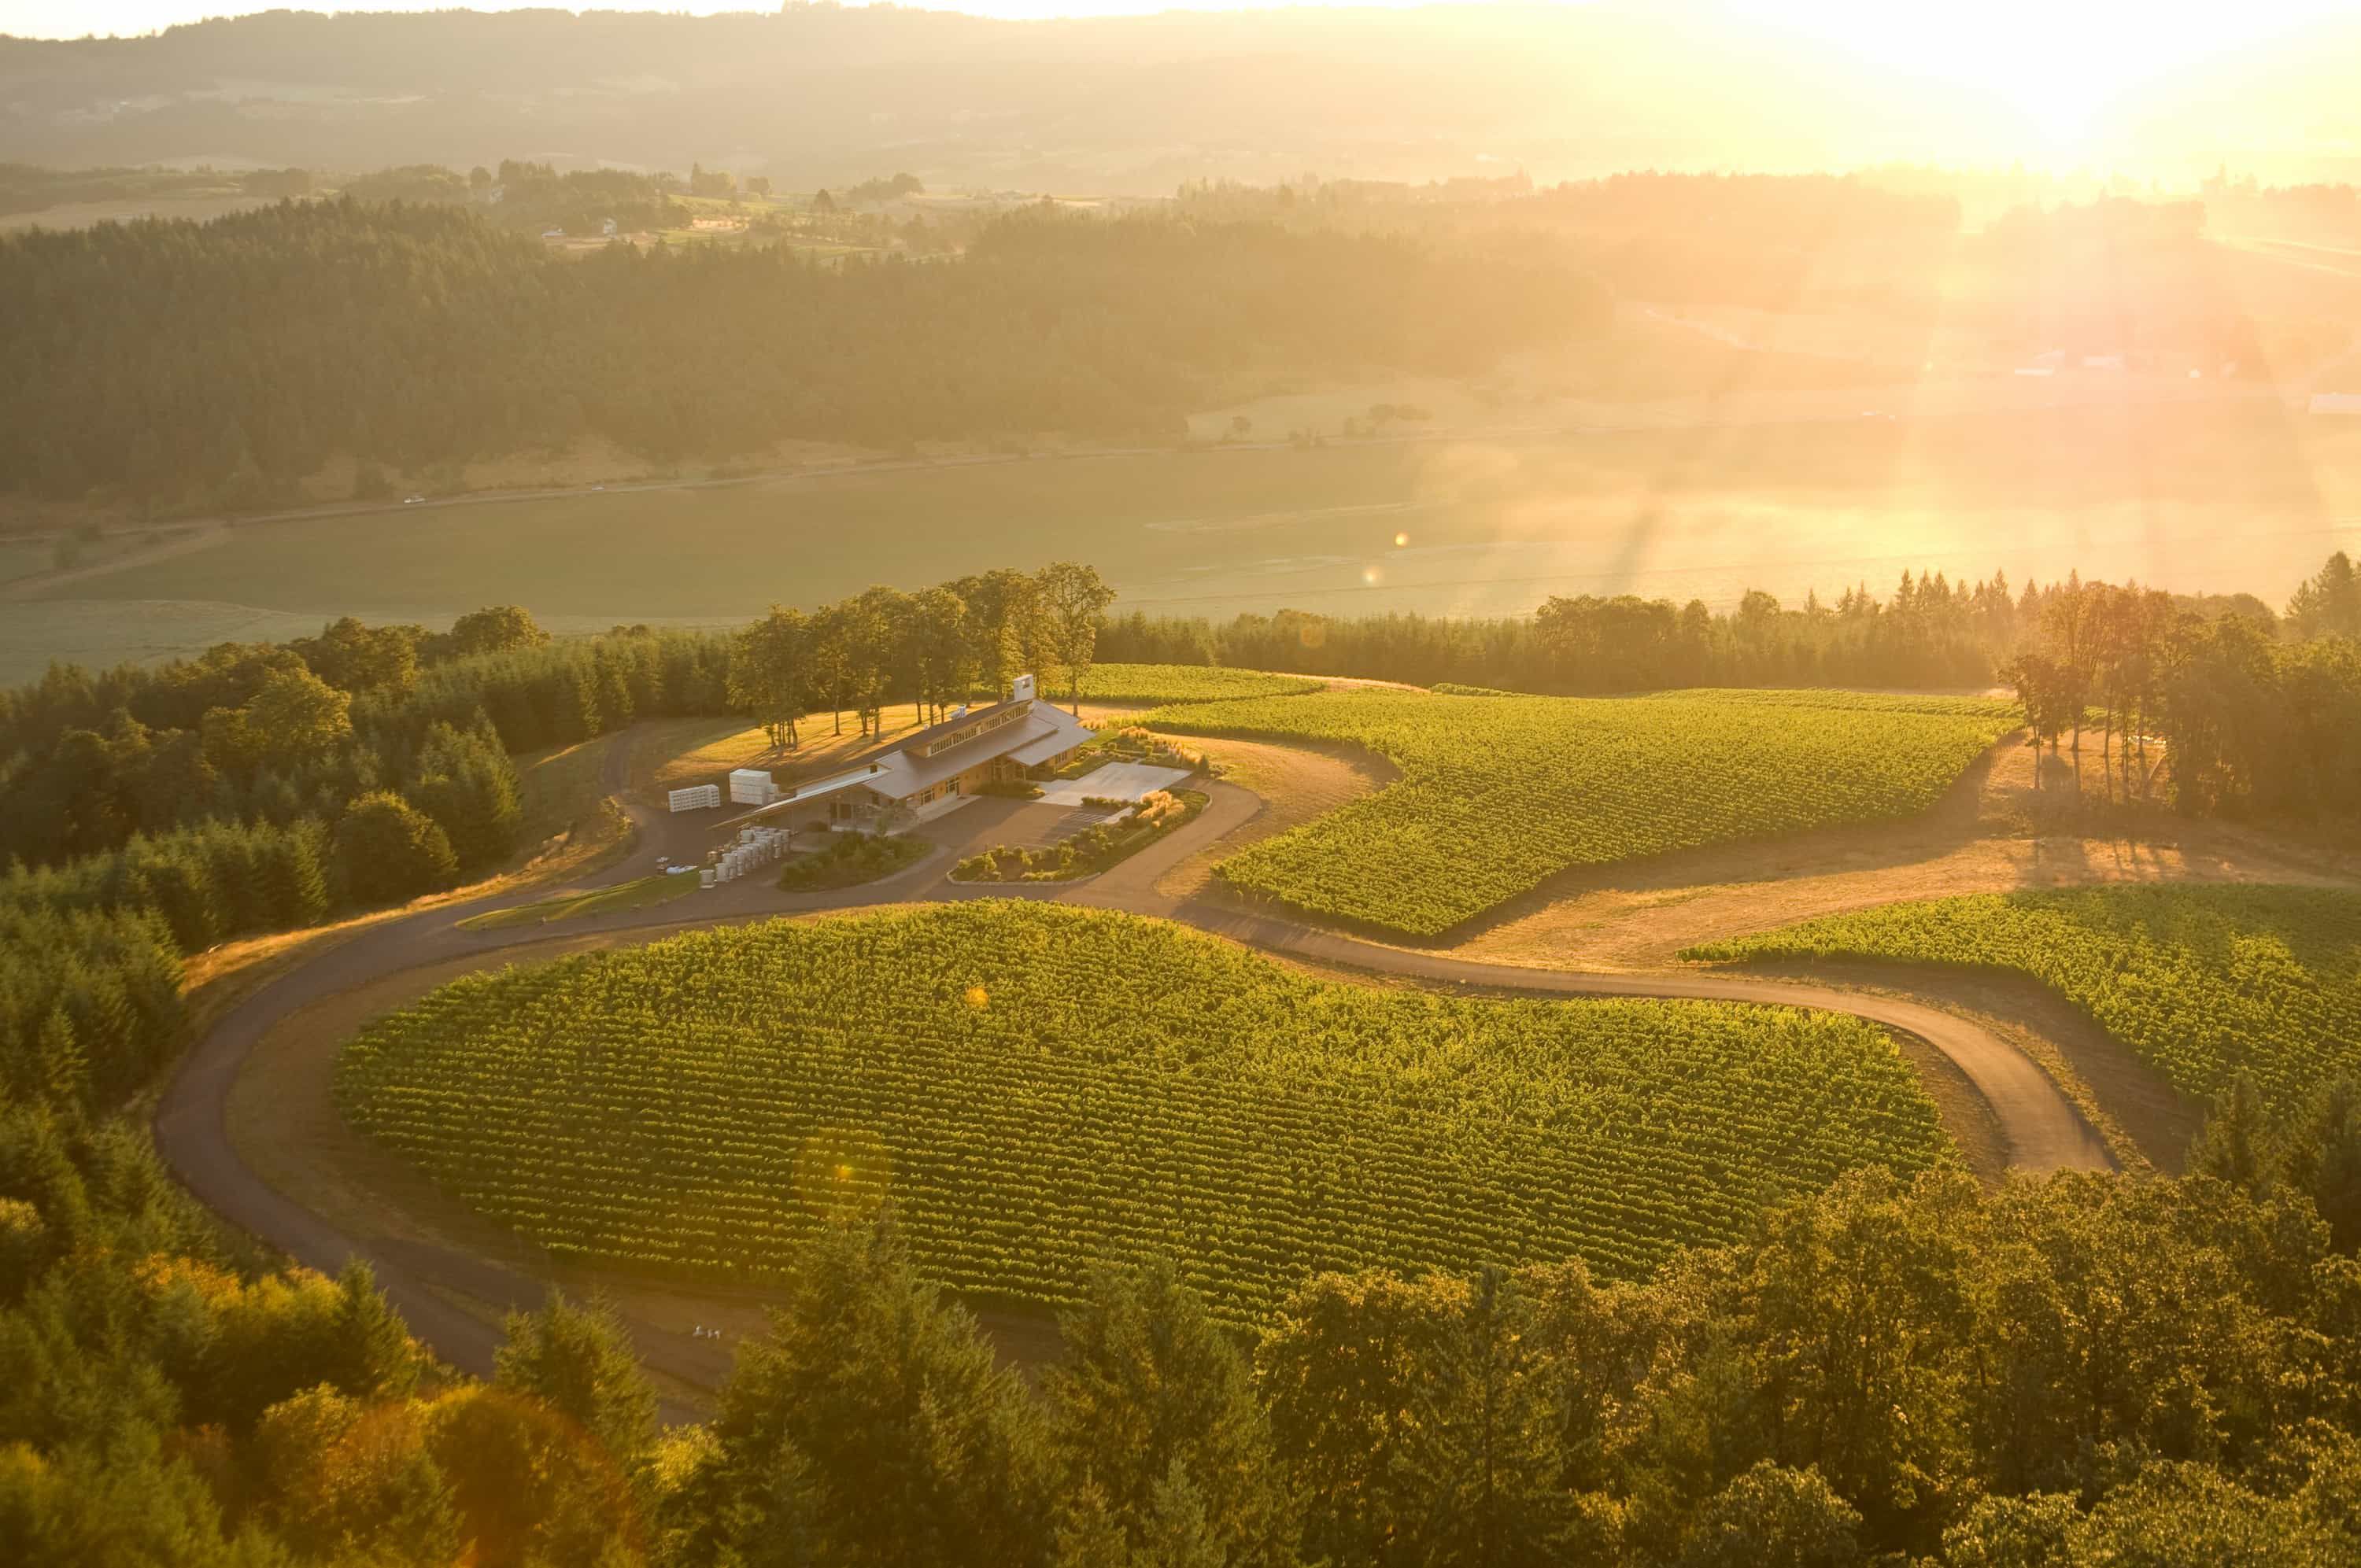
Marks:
<point>164,364</point>
<point>2082,1368</point>
<point>2248,721</point>
<point>1928,631</point>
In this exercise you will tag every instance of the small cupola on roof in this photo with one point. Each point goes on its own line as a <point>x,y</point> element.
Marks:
<point>1021,689</point>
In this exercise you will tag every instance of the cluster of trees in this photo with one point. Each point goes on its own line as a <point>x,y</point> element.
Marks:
<point>933,648</point>
<point>165,1398</point>
<point>2248,721</point>
<point>149,814</point>
<point>2081,1369</point>
<point>219,364</point>
<point>531,197</point>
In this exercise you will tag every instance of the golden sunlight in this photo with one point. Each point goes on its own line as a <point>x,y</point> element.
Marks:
<point>2052,72</point>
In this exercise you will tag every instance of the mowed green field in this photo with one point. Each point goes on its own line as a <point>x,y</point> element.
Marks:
<point>2201,982</point>
<point>1037,1087</point>
<point>1497,793</point>
<point>2228,493</point>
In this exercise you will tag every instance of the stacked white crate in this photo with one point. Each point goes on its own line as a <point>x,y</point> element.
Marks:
<point>752,786</point>
<point>696,797</point>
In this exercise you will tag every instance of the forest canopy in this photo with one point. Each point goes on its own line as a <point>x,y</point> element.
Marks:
<point>219,362</point>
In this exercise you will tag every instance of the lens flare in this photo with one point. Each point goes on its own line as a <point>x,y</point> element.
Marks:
<point>842,1171</point>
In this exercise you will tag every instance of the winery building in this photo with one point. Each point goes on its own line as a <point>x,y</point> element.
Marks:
<point>933,771</point>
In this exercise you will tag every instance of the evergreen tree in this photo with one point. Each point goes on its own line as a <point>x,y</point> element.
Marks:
<point>884,1404</point>
<point>2235,1144</point>
<point>579,1362</point>
<point>1151,1389</point>
<point>469,787</point>
<point>2321,1159</point>
<point>387,851</point>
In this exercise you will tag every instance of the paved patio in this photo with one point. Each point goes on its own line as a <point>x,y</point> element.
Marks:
<point>1116,781</point>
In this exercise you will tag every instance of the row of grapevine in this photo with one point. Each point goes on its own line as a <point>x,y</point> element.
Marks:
<point>2204,982</point>
<point>1038,1086</point>
<point>1499,794</point>
<point>1185,683</point>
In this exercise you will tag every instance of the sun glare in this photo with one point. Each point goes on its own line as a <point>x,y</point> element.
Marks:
<point>2050,73</point>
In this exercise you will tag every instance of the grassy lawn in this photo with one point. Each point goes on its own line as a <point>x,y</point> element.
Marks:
<point>561,788</point>
<point>680,753</point>
<point>646,892</point>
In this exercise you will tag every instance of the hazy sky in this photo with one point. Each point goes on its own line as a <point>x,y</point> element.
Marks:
<point>2058,63</point>
<point>2148,28</point>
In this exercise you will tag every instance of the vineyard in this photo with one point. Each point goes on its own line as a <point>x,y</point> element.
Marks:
<point>1037,1086</point>
<point>2201,982</point>
<point>1182,683</point>
<point>1499,793</point>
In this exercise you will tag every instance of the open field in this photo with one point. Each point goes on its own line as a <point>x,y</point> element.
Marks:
<point>1485,525</point>
<point>1037,1086</point>
<point>2201,982</point>
<point>83,214</point>
<point>1499,794</point>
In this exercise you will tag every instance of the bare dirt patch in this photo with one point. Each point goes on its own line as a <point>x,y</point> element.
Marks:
<point>1297,783</point>
<point>1995,832</point>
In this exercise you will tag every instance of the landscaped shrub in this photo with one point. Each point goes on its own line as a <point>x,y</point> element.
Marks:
<point>850,860</point>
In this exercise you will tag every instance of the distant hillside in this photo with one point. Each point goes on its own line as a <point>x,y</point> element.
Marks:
<point>818,94</point>
<point>169,364</point>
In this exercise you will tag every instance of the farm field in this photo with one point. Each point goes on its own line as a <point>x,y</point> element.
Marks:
<point>2201,982</point>
<point>1462,524</point>
<point>1499,794</point>
<point>1037,1086</point>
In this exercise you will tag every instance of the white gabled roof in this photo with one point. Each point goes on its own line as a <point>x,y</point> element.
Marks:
<point>1045,730</point>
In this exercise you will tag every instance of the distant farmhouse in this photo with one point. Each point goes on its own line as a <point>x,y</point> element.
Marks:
<point>938,769</point>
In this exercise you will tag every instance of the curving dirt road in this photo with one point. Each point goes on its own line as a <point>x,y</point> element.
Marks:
<point>2042,1129</point>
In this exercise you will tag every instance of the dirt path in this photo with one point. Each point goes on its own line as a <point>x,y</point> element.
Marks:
<point>1993,832</point>
<point>452,1297</point>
